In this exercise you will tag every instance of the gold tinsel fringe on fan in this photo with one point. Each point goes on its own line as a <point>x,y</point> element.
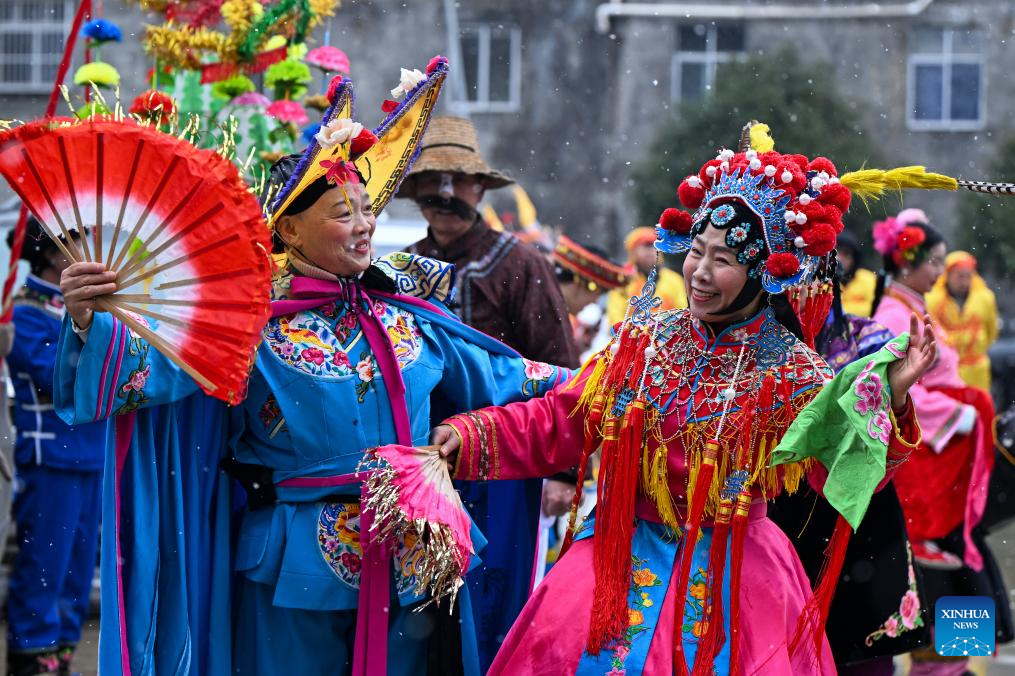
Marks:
<point>437,571</point>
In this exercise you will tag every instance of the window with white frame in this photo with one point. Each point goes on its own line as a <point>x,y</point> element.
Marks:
<point>492,66</point>
<point>702,48</point>
<point>946,80</point>
<point>32,34</point>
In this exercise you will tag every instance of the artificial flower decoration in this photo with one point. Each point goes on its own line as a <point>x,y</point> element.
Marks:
<point>288,111</point>
<point>317,102</point>
<point>297,51</point>
<point>92,109</point>
<point>154,105</point>
<point>252,99</point>
<point>329,59</point>
<point>101,30</point>
<point>97,73</point>
<point>274,42</point>
<point>886,235</point>
<point>339,172</point>
<point>309,132</point>
<point>333,86</point>
<point>339,130</point>
<point>288,79</point>
<point>910,240</point>
<point>409,80</point>
<point>232,87</point>
<point>912,215</point>
<point>164,78</point>
<point>435,63</point>
<point>361,143</point>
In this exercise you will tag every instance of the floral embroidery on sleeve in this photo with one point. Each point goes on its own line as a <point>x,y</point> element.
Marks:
<point>536,375</point>
<point>132,391</point>
<point>872,403</point>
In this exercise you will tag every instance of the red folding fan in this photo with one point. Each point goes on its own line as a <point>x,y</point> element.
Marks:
<point>178,225</point>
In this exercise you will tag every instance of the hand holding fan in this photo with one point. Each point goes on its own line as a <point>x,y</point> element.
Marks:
<point>178,225</point>
<point>410,492</point>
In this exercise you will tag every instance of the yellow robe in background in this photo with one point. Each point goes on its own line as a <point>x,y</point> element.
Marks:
<point>971,329</point>
<point>669,287</point>
<point>858,295</point>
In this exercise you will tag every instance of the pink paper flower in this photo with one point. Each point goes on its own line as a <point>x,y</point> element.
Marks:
<point>910,216</point>
<point>891,627</point>
<point>909,609</point>
<point>252,99</point>
<point>329,59</point>
<point>288,111</point>
<point>537,370</point>
<point>886,235</point>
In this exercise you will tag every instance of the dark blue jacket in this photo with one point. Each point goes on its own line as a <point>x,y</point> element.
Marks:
<point>44,439</point>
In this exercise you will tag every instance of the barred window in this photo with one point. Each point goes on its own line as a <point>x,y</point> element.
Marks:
<point>946,80</point>
<point>32,34</point>
<point>492,57</point>
<point>702,49</point>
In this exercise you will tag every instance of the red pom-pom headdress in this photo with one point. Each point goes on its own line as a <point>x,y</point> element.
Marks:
<point>799,203</point>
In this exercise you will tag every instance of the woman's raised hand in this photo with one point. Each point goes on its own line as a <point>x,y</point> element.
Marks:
<point>445,437</point>
<point>80,284</point>
<point>919,358</point>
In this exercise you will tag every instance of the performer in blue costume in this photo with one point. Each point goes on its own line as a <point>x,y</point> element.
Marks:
<point>59,475</point>
<point>350,360</point>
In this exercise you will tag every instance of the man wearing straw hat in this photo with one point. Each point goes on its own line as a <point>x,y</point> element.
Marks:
<point>508,290</point>
<point>505,288</point>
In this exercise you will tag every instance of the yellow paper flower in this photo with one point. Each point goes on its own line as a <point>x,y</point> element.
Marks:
<point>99,73</point>
<point>297,52</point>
<point>274,42</point>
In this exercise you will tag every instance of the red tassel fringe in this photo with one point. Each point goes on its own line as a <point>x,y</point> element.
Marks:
<point>736,561</point>
<point>618,483</point>
<point>714,635</point>
<point>588,447</point>
<point>815,612</point>
<point>695,511</point>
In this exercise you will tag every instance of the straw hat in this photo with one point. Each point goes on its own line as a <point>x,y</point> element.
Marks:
<point>450,146</point>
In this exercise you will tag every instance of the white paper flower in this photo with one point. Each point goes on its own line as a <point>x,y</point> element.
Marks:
<point>341,130</point>
<point>408,82</point>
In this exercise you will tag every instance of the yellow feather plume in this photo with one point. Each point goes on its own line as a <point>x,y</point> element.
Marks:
<point>870,184</point>
<point>761,139</point>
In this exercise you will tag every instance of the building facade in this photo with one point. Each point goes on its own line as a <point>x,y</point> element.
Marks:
<point>567,94</point>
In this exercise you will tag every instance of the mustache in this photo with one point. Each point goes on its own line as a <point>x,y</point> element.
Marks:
<point>458,207</point>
